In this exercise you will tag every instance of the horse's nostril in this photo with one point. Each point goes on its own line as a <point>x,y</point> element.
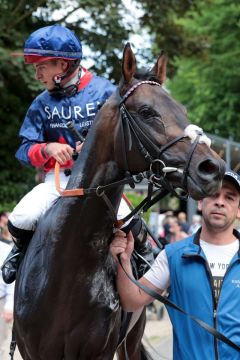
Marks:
<point>208,167</point>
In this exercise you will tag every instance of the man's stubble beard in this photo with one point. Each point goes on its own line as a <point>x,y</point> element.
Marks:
<point>217,225</point>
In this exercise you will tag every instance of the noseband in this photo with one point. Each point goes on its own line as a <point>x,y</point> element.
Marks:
<point>152,153</point>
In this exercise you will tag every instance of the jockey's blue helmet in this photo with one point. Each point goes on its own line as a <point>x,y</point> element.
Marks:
<point>52,42</point>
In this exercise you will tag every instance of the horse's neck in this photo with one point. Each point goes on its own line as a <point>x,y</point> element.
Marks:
<point>95,165</point>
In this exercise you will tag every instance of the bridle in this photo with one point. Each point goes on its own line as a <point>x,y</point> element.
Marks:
<point>152,153</point>
<point>156,175</point>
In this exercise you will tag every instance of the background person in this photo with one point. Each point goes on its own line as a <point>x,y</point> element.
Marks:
<point>5,236</point>
<point>3,219</point>
<point>195,224</point>
<point>6,303</point>
<point>175,230</point>
<point>182,218</point>
<point>202,275</point>
<point>166,225</point>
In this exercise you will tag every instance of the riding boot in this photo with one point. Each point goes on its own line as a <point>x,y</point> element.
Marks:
<point>13,260</point>
<point>143,253</point>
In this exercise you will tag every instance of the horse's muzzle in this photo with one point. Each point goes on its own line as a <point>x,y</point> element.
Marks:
<point>207,178</point>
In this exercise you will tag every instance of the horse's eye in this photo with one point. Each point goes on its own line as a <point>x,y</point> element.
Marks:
<point>147,112</point>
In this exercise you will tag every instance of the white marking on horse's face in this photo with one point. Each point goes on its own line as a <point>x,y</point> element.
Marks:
<point>192,131</point>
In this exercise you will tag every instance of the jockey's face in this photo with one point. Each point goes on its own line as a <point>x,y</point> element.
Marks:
<point>45,71</point>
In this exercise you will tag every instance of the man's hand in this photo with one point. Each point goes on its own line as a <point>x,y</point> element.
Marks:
<point>132,298</point>
<point>60,152</point>
<point>122,244</point>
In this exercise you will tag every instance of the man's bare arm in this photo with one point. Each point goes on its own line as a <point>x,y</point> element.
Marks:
<point>131,296</point>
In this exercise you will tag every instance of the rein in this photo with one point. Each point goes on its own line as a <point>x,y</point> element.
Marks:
<point>100,191</point>
<point>131,180</point>
<point>155,295</point>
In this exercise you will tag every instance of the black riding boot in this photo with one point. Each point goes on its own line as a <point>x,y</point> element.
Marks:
<point>143,253</point>
<point>13,260</point>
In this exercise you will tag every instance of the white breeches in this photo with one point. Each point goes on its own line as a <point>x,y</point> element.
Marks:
<point>33,205</point>
<point>27,212</point>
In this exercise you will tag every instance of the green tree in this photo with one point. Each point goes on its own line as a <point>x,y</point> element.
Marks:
<point>160,18</point>
<point>15,92</point>
<point>208,81</point>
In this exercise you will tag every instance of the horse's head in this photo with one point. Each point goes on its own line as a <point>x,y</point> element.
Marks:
<point>156,129</point>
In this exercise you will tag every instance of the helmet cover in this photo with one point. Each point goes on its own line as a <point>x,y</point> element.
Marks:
<point>53,41</point>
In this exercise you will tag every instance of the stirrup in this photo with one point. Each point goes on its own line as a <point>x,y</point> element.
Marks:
<point>9,259</point>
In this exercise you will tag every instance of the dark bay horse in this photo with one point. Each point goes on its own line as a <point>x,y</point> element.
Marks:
<point>66,304</point>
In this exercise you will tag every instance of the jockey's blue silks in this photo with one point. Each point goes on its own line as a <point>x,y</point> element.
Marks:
<point>48,115</point>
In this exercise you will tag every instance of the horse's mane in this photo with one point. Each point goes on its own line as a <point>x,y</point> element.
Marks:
<point>145,74</point>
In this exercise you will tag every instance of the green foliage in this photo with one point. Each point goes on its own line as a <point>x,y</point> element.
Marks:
<point>167,34</point>
<point>135,199</point>
<point>14,181</point>
<point>208,82</point>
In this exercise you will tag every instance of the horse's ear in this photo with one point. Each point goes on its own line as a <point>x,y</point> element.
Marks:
<point>129,63</point>
<point>160,68</point>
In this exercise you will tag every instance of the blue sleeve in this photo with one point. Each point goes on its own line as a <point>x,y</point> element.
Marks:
<point>31,132</point>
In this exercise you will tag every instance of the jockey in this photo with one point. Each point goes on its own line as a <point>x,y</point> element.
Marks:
<point>71,93</point>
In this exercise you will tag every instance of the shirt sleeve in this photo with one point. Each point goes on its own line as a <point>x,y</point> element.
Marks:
<point>159,274</point>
